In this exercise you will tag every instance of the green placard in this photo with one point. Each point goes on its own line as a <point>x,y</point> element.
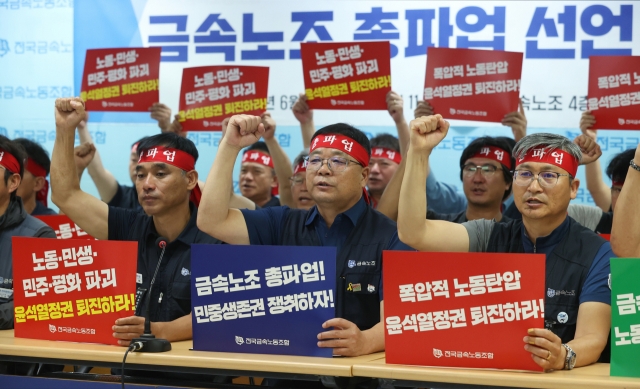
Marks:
<point>625,317</point>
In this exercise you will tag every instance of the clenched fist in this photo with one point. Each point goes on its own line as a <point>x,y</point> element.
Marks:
<point>69,113</point>
<point>427,132</point>
<point>243,131</point>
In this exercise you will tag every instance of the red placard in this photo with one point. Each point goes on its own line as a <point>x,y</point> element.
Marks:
<point>64,227</point>
<point>347,75</point>
<point>468,310</point>
<point>121,79</point>
<point>72,290</point>
<point>468,84</point>
<point>614,92</point>
<point>211,93</point>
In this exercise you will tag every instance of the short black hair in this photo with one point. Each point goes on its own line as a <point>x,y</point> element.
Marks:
<point>168,139</point>
<point>139,141</point>
<point>18,152</point>
<point>346,130</point>
<point>501,142</point>
<point>300,157</point>
<point>619,165</point>
<point>387,141</point>
<point>35,152</point>
<point>259,146</point>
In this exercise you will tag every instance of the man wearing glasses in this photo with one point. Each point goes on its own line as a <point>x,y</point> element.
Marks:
<point>336,174</point>
<point>577,322</point>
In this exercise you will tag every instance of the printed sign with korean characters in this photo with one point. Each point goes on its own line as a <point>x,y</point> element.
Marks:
<point>209,94</point>
<point>614,92</point>
<point>470,84</point>
<point>347,75</point>
<point>64,227</point>
<point>72,289</point>
<point>625,317</point>
<point>121,79</point>
<point>469,310</point>
<point>262,299</point>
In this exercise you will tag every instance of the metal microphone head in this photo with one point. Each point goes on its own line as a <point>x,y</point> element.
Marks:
<point>161,242</point>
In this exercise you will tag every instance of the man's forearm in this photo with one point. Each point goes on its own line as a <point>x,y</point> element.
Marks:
<point>595,185</point>
<point>282,166</point>
<point>412,206</point>
<point>388,204</point>
<point>403,136</point>
<point>307,129</point>
<point>587,348</point>
<point>64,179</point>
<point>174,331</point>
<point>213,196</point>
<point>374,338</point>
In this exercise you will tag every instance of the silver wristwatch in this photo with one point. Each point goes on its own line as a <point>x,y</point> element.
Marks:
<point>633,165</point>
<point>570,360</point>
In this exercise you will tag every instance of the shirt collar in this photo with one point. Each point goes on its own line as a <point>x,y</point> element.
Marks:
<point>546,241</point>
<point>188,234</point>
<point>352,213</point>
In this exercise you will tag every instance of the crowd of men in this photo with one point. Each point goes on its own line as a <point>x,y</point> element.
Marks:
<point>345,190</point>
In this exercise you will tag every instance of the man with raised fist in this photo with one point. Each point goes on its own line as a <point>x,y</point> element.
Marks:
<point>336,176</point>
<point>577,259</point>
<point>165,178</point>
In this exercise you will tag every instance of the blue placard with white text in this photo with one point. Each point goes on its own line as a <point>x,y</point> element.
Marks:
<point>262,299</point>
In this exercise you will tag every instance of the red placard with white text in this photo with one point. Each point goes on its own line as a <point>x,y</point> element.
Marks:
<point>72,290</point>
<point>347,75</point>
<point>468,84</point>
<point>614,92</point>
<point>209,94</point>
<point>469,310</point>
<point>121,79</point>
<point>64,227</point>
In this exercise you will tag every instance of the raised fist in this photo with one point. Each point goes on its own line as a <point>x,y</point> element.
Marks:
<point>423,108</point>
<point>395,106</point>
<point>243,131</point>
<point>517,121</point>
<point>301,110</point>
<point>269,126</point>
<point>587,120</point>
<point>590,149</point>
<point>83,155</point>
<point>162,114</point>
<point>69,112</point>
<point>427,132</point>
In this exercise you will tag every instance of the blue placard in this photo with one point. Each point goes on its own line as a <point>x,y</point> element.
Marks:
<point>262,299</point>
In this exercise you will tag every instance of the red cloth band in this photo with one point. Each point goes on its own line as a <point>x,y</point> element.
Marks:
<point>9,162</point>
<point>300,167</point>
<point>495,153</point>
<point>342,143</point>
<point>617,183</point>
<point>38,171</point>
<point>560,158</point>
<point>35,169</point>
<point>170,156</point>
<point>258,157</point>
<point>383,152</point>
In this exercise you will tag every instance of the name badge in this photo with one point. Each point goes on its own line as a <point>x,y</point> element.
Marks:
<point>138,278</point>
<point>6,293</point>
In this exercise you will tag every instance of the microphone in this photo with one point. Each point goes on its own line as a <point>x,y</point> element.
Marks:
<point>147,342</point>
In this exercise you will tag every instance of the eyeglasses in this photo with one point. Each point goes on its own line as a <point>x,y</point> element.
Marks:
<point>545,179</point>
<point>297,180</point>
<point>335,164</point>
<point>470,170</point>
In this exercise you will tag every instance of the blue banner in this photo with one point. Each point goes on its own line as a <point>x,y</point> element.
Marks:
<point>262,299</point>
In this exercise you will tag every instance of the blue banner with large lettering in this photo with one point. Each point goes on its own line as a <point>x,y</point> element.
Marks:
<point>262,299</point>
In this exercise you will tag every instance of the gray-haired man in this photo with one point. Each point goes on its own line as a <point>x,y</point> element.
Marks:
<point>577,324</point>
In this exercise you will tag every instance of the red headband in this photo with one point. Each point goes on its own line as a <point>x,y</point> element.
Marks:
<point>9,161</point>
<point>556,157</point>
<point>300,167</point>
<point>342,143</point>
<point>38,171</point>
<point>495,153</point>
<point>617,183</point>
<point>383,152</point>
<point>175,157</point>
<point>258,157</point>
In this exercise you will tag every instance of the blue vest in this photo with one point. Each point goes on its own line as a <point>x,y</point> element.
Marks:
<point>566,271</point>
<point>369,237</point>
